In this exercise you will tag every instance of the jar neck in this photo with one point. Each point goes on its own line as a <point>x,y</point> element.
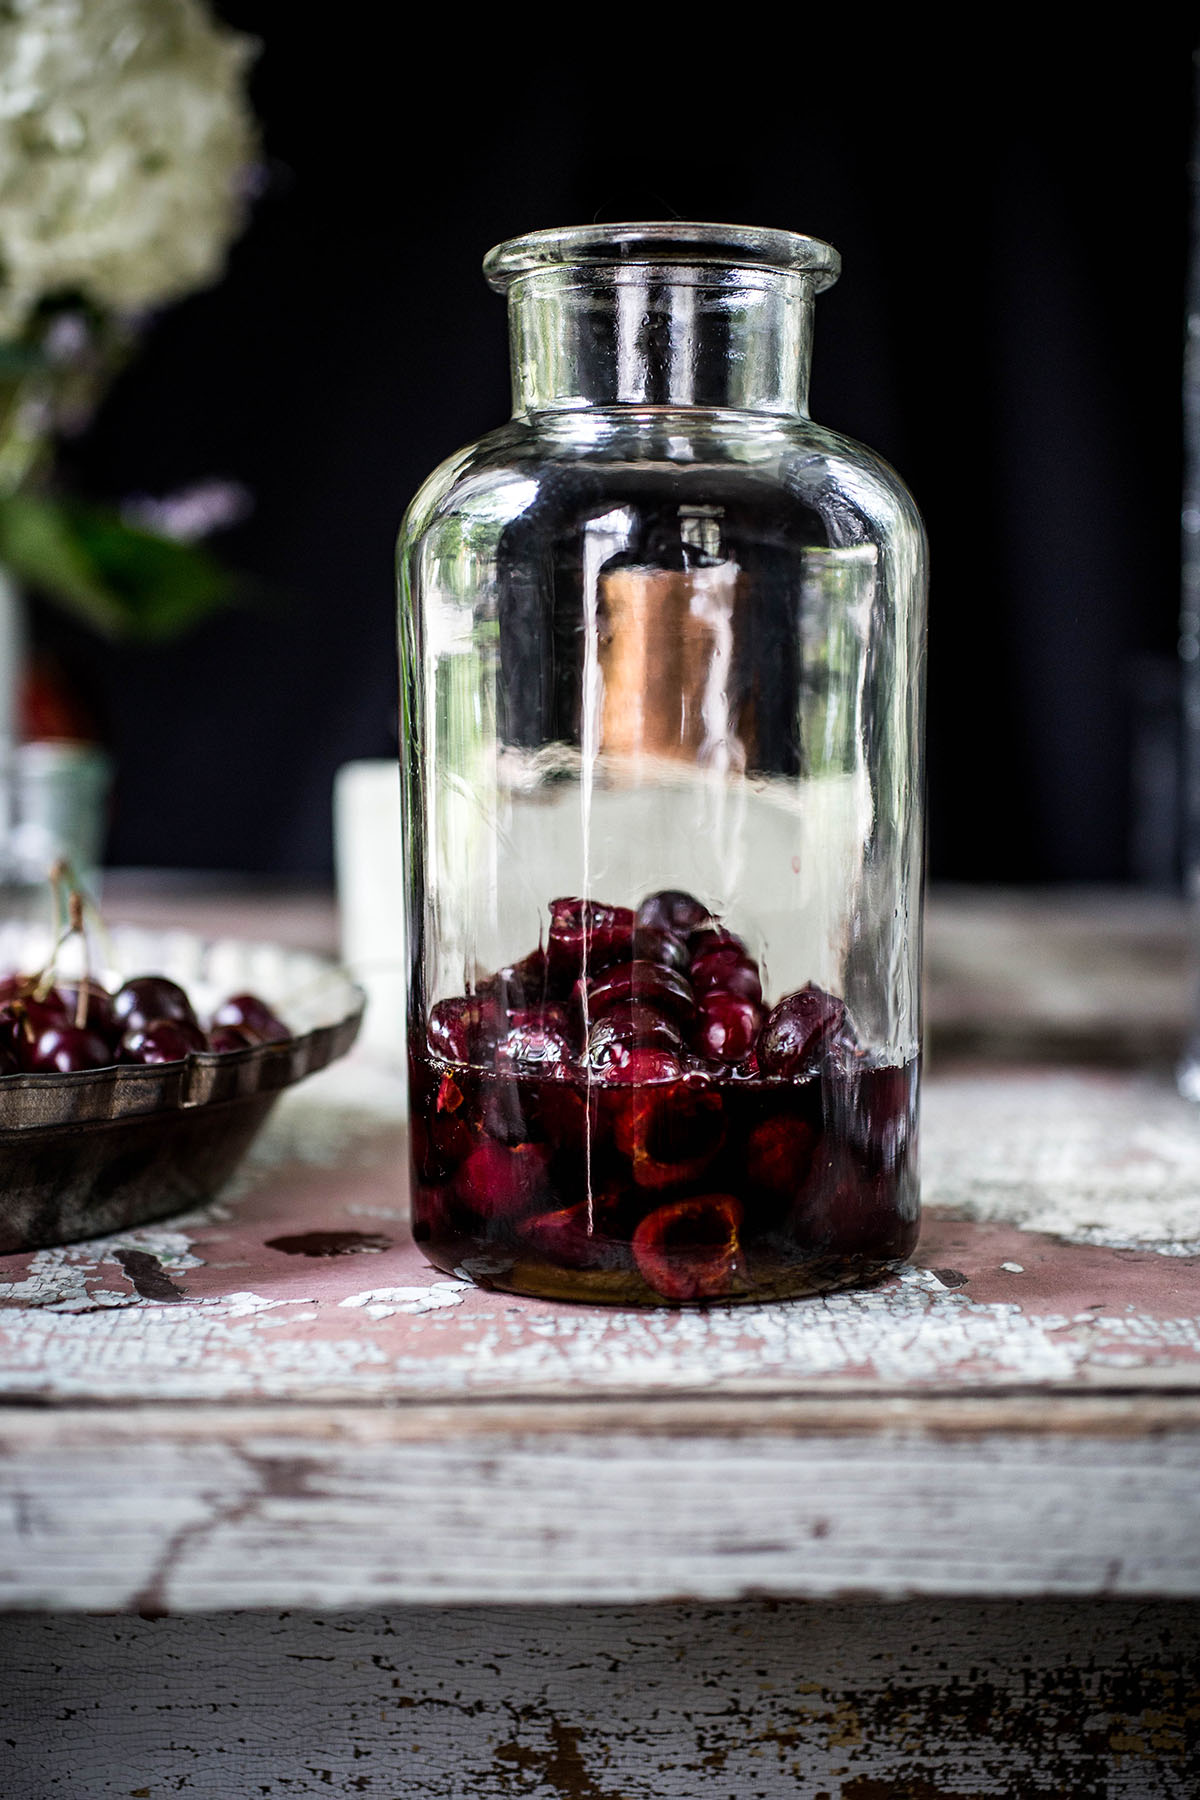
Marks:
<point>647,334</point>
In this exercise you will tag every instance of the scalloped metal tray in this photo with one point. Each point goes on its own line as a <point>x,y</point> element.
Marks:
<point>86,1154</point>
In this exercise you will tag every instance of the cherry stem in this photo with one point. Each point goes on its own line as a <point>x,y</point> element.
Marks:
<point>57,874</point>
<point>79,904</point>
<point>44,979</point>
<point>83,992</point>
<point>90,911</point>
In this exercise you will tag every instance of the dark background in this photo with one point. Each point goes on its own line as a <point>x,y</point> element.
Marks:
<point>1008,331</point>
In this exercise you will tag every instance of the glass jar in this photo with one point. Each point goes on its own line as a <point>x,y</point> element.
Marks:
<point>662,658</point>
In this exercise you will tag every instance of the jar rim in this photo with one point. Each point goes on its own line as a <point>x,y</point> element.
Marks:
<point>678,241</point>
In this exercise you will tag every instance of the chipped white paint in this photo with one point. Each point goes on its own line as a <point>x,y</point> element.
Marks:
<point>787,1702</point>
<point>1096,1158</point>
<point>914,1331</point>
<point>382,1303</point>
<point>58,1278</point>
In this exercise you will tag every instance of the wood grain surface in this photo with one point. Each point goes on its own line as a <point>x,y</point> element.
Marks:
<point>761,1701</point>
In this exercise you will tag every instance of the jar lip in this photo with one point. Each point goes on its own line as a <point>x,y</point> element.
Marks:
<point>679,241</point>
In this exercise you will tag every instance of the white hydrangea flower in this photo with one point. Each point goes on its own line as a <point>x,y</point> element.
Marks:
<point>125,144</point>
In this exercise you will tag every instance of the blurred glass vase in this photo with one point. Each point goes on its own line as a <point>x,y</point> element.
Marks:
<point>55,806</point>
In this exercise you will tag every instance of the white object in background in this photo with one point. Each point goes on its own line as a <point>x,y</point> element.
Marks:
<point>370,885</point>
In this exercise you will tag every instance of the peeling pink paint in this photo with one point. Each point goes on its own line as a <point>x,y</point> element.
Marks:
<point>986,1301</point>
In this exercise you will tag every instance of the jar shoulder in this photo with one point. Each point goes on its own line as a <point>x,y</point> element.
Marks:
<point>470,479</point>
<point>862,474</point>
<point>832,484</point>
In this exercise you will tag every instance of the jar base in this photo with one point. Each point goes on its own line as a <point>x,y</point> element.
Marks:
<point>538,1280</point>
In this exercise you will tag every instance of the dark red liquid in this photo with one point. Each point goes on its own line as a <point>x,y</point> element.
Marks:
<point>700,1189</point>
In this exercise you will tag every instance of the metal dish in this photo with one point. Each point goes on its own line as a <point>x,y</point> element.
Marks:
<point>82,1155</point>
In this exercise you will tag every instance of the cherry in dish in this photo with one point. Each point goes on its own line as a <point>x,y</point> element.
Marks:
<point>248,1014</point>
<point>148,997</point>
<point>68,1027</point>
<point>65,1049</point>
<point>623,1117</point>
<point>162,1041</point>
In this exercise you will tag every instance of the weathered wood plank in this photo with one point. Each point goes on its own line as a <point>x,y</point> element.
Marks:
<point>951,1701</point>
<point>359,1507</point>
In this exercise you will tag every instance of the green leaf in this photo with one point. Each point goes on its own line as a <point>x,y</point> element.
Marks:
<point>38,546</point>
<point>164,586</point>
<point>116,578</point>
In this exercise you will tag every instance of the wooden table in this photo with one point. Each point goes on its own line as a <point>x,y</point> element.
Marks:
<point>941,1538</point>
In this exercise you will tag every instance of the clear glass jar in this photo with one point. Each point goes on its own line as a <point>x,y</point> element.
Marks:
<point>662,659</point>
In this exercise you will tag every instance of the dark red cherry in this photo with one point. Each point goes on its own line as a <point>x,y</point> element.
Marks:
<point>522,984</point>
<point>671,909</point>
<point>248,1013</point>
<point>419,1149</point>
<point>465,1029</point>
<point>567,1238</point>
<point>729,969</point>
<point>688,1249</point>
<point>508,1107</point>
<point>537,1042</point>
<point>65,1049</point>
<point>726,1026</point>
<point>631,1065</point>
<point>670,1135</point>
<point>12,1025</point>
<point>151,997</point>
<point>715,937</point>
<point>43,1012</point>
<point>226,1038</point>
<point>563,1115</point>
<point>8,1061</point>
<point>98,1004</point>
<point>504,1181</point>
<point>454,1126</point>
<point>16,987</point>
<point>584,934</point>
<point>161,1041</point>
<point>643,982</point>
<point>654,943</point>
<point>779,1154</point>
<point>625,1027</point>
<point>797,1032</point>
<point>545,1016</point>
